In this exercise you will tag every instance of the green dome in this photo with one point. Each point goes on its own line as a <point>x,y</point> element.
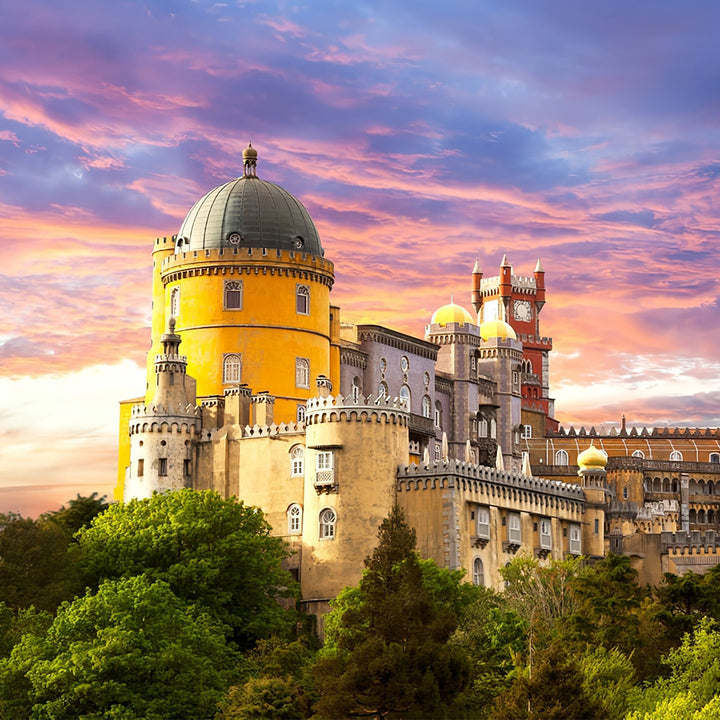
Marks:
<point>251,213</point>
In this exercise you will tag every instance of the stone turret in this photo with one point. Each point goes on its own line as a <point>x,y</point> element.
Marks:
<point>162,432</point>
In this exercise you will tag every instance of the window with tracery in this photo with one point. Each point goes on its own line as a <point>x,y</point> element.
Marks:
<point>231,368</point>
<point>297,461</point>
<point>302,372</point>
<point>328,519</point>
<point>294,515</point>
<point>233,295</point>
<point>302,300</point>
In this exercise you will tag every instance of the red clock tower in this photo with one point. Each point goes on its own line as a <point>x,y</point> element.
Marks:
<point>518,301</point>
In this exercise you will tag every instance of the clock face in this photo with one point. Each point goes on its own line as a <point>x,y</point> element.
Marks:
<point>522,310</point>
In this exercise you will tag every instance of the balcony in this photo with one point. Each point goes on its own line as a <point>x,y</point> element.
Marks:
<point>324,479</point>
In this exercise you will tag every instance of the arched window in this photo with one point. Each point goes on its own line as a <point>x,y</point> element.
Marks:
<point>438,451</point>
<point>493,429</point>
<point>302,372</point>
<point>561,457</point>
<point>294,516</point>
<point>302,300</point>
<point>328,518</point>
<point>625,493</point>
<point>231,368</point>
<point>426,406</point>
<point>638,454</point>
<point>297,461</point>
<point>666,485</point>
<point>301,410</point>
<point>405,395</point>
<point>382,390</point>
<point>175,302</point>
<point>715,457</point>
<point>575,540</point>
<point>473,362</point>
<point>478,572</point>
<point>482,428</point>
<point>355,390</point>
<point>674,486</point>
<point>233,295</point>
<point>676,456</point>
<point>701,516</point>
<point>438,414</point>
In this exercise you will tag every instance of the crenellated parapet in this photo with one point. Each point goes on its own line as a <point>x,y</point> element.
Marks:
<point>690,542</point>
<point>363,409</point>
<point>247,261</point>
<point>488,481</point>
<point>256,431</point>
<point>159,418</point>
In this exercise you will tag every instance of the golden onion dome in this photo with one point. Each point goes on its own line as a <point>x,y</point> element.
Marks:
<point>592,458</point>
<point>497,329</point>
<point>451,313</point>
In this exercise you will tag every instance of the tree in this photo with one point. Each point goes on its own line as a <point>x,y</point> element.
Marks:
<point>279,687</point>
<point>132,650</point>
<point>492,636</point>
<point>387,647</point>
<point>211,551</point>
<point>79,513</point>
<point>552,691</point>
<point>693,688</point>
<point>38,565</point>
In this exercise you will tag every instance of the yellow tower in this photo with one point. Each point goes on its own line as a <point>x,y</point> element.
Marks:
<point>249,289</point>
<point>247,283</point>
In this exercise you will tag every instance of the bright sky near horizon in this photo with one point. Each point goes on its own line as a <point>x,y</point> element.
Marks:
<point>419,135</point>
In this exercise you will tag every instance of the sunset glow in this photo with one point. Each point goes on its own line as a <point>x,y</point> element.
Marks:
<point>420,137</point>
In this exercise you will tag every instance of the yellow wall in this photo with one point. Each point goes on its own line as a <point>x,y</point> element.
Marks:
<point>267,331</point>
<point>124,445</point>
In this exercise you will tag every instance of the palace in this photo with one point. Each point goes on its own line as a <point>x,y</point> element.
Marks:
<point>326,425</point>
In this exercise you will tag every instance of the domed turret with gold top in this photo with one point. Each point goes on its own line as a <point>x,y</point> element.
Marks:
<point>497,329</point>
<point>592,458</point>
<point>451,313</point>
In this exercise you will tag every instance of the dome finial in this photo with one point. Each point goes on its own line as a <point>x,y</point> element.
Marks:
<point>249,161</point>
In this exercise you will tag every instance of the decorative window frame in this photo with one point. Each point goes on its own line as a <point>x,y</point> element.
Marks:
<point>231,368</point>
<point>302,299</point>
<point>426,406</point>
<point>676,456</point>
<point>406,394</point>
<point>300,413</point>
<point>327,523</point>
<point>482,525</point>
<point>294,519</point>
<point>297,461</point>
<point>526,432</point>
<point>302,372</point>
<point>234,287</point>
<point>561,457</point>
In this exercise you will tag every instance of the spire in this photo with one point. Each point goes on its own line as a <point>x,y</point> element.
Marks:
<point>476,269</point>
<point>539,267</point>
<point>504,262</point>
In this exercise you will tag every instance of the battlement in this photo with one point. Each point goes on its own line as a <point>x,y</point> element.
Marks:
<point>523,284</point>
<point>690,542</point>
<point>655,432</point>
<point>261,431</point>
<point>535,340</point>
<point>412,475</point>
<point>163,358</point>
<point>142,410</point>
<point>363,409</point>
<point>244,260</point>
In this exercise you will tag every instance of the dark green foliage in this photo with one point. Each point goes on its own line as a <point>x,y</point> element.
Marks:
<point>79,512</point>
<point>214,552</point>
<point>388,652</point>
<point>39,566</point>
<point>132,650</point>
<point>551,690</point>
<point>492,636</point>
<point>280,686</point>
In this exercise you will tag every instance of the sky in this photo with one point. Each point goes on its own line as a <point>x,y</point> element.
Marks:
<point>420,135</point>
